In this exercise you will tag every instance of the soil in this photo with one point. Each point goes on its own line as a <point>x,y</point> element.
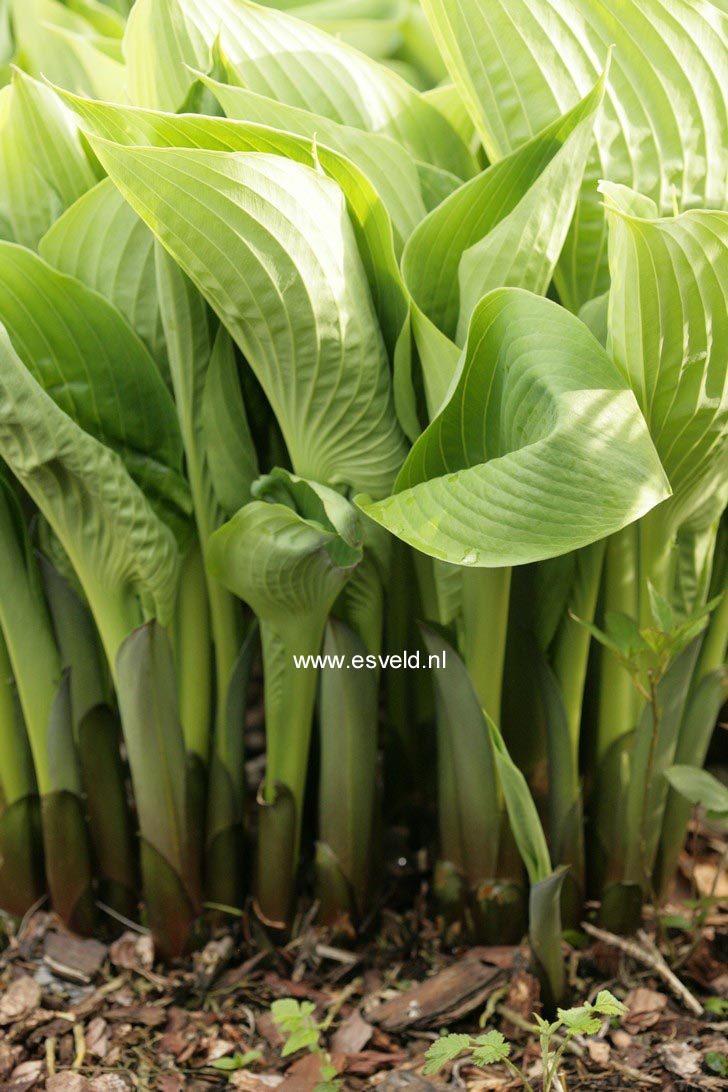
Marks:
<point>80,1015</point>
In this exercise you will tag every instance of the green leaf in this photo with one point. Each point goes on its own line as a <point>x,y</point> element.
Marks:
<point>521,465</point>
<point>717,1062</point>
<point>504,227</point>
<point>525,823</point>
<point>580,1021</point>
<point>468,804</point>
<point>289,553</point>
<point>228,445</point>
<point>669,345</point>
<point>388,166</point>
<point>624,633</point>
<point>490,1048</point>
<point>444,1050</point>
<point>316,347</point>
<point>83,353</point>
<point>299,1040</point>
<point>92,64</point>
<point>699,787</point>
<point>101,241</point>
<point>237,1061</point>
<point>77,45</point>
<point>544,934</point>
<point>518,64</point>
<point>43,166</point>
<point>372,226</point>
<point>286,59</point>
<point>661,610</point>
<point>289,1014</point>
<point>608,1005</point>
<point>119,548</point>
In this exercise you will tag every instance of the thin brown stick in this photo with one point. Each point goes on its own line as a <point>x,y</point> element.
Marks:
<point>646,953</point>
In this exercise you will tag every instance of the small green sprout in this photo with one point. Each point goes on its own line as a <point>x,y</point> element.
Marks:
<point>492,1047</point>
<point>296,1021</point>
<point>234,1062</point>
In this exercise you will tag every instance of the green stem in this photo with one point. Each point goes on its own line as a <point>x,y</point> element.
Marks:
<point>715,644</point>
<point>618,707</point>
<point>192,649</point>
<point>573,641</point>
<point>528,1087</point>
<point>98,738</point>
<point>551,1073</point>
<point>400,692</point>
<point>116,612</point>
<point>486,597</point>
<point>17,779</point>
<point>646,865</point>
<point>32,650</point>
<point>290,696</point>
<point>348,733</point>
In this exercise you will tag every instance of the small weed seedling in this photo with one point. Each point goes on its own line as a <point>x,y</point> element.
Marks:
<point>491,1047</point>
<point>296,1021</point>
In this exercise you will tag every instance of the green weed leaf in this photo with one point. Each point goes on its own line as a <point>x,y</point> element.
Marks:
<point>444,1050</point>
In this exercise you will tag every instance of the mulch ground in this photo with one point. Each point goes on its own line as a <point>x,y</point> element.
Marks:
<point>80,1015</point>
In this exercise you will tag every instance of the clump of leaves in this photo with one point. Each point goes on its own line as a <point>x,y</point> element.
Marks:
<point>297,1022</point>
<point>554,1038</point>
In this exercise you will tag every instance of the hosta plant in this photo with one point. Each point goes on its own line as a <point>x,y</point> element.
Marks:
<point>360,333</point>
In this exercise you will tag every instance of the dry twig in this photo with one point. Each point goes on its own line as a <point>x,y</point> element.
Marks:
<point>649,955</point>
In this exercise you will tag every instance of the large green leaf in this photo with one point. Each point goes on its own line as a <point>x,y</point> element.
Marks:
<point>289,553</point>
<point>389,168</point>
<point>119,548</point>
<point>668,331</point>
<point>43,166</point>
<point>78,45</point>
<point>540,449</point>
<point>664,130</point>
<point>101,241</point>
<point>506,227</point>
<point>376,27</point>
<point>89,360</point>
<point>286,59</point>
<point>269,244</point>
<point>372,226</point>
